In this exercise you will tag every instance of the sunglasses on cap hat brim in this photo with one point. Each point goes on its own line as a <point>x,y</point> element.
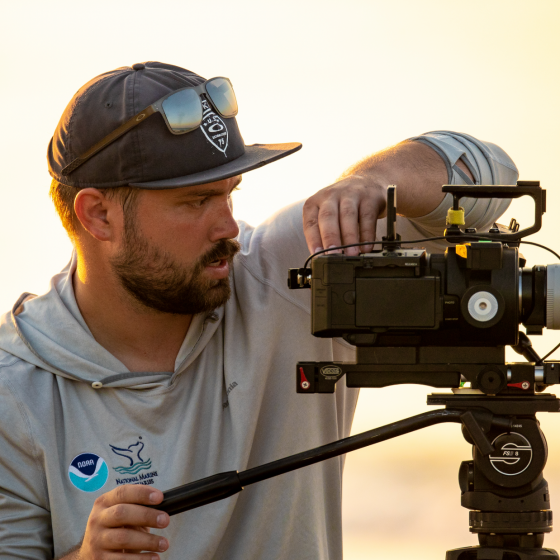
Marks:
<point>183,111</point>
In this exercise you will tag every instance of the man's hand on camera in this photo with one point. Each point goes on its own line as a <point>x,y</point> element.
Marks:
<point>343,213</point>
<point>119,525</point>
<point>347,211</point>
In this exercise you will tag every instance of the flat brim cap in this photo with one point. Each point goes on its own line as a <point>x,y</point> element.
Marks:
<point>149,156</point>
<point>255,156</point>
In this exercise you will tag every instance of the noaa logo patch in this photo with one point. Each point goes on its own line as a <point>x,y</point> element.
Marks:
<point>88,472</point>
<point>213,127</point>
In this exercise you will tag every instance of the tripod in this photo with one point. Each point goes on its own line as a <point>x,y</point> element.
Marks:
<point>503,485</point>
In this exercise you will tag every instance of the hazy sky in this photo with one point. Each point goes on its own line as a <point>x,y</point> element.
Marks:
<point>346,79</point>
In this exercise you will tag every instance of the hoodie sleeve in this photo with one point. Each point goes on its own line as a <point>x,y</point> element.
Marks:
<point>25,521</point>
<point>489,165</point>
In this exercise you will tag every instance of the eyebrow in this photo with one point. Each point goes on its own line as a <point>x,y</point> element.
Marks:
<point>212,192</point>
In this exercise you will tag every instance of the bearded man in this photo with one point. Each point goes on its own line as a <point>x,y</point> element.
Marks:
<point>164,352</point>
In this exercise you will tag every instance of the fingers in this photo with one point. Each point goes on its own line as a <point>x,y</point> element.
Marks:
<point>131,494</point>
<point>131,540</point>
<point>342,214</point>
<point>329,226</point>
<point>311,225</point>
<point>119,525</point>
<point>321,220</point>
<point>134,515</point>
<point>368,215</point>
<point>350,212</point>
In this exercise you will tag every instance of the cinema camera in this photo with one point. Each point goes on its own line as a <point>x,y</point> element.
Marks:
<point>441,320</point>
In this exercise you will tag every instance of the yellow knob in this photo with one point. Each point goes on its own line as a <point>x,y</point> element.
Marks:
<point>456,217</point>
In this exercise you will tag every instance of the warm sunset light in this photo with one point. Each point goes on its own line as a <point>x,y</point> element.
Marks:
<point>345,79</point>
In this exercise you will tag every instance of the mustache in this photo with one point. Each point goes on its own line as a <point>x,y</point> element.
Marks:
<point>223,249</point>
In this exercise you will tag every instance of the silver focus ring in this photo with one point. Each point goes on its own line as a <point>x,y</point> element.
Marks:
<point>553,296</point>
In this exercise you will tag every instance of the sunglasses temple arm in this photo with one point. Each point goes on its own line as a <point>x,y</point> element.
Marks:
<point>109,139</point>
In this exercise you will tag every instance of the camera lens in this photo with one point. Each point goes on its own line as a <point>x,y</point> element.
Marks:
<point>539,297</point>
<point>553,296</point>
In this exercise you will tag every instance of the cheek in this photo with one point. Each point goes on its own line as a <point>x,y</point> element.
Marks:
<point>177,235</point>
<point>183,240</point>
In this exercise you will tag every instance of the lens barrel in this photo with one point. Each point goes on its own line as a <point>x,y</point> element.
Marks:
<point>553,297</point>
<point>539,297</point>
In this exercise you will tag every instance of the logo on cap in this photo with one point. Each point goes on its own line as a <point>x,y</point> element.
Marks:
<point>214,127</point>
<point>88,472</point>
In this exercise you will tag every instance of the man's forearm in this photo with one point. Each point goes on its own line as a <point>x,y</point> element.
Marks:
<point>416,169</point>
<point>347,211</point>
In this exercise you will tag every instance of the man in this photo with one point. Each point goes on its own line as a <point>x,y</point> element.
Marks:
<point>165,351</point>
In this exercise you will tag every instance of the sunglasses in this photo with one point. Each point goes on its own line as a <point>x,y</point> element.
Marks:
<point>183,111</point>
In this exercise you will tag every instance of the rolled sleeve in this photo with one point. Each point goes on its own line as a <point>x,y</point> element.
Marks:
<point>489,165</point>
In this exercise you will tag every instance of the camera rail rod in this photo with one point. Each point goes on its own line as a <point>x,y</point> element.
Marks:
<point>226,484</point>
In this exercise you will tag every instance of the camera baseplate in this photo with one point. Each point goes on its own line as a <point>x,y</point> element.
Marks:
<point>380,366</point>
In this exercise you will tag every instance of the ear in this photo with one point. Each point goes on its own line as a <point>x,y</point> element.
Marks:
<point>99,216</point>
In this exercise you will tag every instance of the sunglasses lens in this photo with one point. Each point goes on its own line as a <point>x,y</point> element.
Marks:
<point>183,110</point>
<point>222,96</point>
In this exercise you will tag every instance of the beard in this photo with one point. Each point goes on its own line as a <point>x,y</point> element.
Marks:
<point>157,281</point>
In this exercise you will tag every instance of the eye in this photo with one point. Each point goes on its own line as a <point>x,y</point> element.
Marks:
<point>198,203</point>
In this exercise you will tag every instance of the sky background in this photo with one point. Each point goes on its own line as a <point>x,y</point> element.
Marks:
<point>346,79</point>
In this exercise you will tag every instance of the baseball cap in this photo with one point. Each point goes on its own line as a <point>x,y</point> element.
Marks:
<point>148,156</point>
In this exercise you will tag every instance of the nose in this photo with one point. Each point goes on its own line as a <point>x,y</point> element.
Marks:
<point>225,226</point>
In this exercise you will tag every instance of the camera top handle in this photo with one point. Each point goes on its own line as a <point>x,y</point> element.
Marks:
<point>523,188</point>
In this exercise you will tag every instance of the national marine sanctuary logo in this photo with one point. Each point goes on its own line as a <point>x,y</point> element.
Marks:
<point>88,472</point>
<point>132,453</point>
<point>135,463</point>
<point>214,127</point>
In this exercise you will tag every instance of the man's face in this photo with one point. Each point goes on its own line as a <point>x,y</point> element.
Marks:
<point>177,248</point>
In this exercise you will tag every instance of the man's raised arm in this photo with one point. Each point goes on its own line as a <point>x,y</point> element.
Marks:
<point>347,211</point>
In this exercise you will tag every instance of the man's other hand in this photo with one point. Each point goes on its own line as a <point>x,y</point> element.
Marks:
<point>119,525</point>
<point>343,213</point>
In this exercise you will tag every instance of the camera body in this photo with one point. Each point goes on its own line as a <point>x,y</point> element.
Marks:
<point>476,294</point>
<point>468,296</point>
<point>436,319</point>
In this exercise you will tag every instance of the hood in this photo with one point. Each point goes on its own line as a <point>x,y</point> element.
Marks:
<point>49,332</point>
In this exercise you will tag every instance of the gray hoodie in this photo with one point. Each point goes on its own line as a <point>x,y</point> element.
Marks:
<point>74,423</point>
